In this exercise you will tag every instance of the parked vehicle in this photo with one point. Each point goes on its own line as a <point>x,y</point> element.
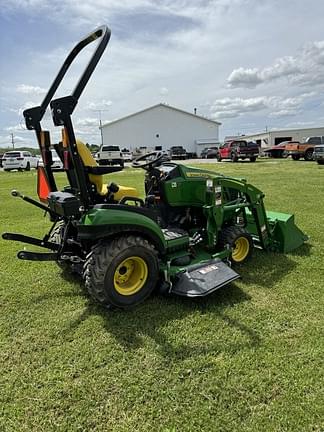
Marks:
<point>238,149</point>
<point>20,160</point>
<point>316,140</point>
<point>209,153</point>
<point>298,150</point>
<point>1,156</point>
<point>177,152</point>
<point>140,151</point>
<point>318,154</point>
<point>276,151</point>
<point>110,155</point>
<point>166,156</point>
<point>57,164</point>
<point>127,155</point>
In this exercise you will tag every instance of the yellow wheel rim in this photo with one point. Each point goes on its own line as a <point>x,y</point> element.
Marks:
<point>241,249</point>
<point>130,276</point>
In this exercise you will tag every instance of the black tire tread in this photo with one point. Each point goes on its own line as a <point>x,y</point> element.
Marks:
<point>56,236</point>
<point>308,156</point>
<point>98,259</point>
<point>229,235</point>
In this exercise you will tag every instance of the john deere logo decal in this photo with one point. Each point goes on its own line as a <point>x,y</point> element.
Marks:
<point>198,174</point>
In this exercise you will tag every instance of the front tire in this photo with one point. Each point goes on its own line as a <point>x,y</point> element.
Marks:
<point>253,158</point>
<point>121,273</point>
<point>308,155</point>
<point>239,240</point>
<point>295,157</point>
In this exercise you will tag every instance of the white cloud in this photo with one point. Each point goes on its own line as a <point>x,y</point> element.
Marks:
<point>278,105</point>
<point>163,91</point>
<point>284,113</point>
<point>303,69</point>
<point>28,89</point>
<point>20,110</point>
<point>248,78</point>
<point>99,105</point>
<point>5,140</point>
<point>19,127</point>
<point>88,122</point>
<point>234,107</point>
<point>300,124</point>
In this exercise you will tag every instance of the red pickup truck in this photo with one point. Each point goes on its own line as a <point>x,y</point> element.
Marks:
<point>238,149</point>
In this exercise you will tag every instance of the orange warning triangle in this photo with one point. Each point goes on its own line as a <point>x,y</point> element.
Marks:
<point>43,188</point>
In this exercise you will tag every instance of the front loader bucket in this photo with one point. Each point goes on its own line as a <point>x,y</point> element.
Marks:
<point>285,234</point>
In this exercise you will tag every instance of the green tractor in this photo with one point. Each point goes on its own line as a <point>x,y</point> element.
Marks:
<point>182,237</point>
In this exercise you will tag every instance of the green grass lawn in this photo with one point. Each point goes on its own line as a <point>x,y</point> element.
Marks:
<point>247,358</point>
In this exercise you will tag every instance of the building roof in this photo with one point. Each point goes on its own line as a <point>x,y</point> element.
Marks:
<point>283,130</point>
<point>165,106</point>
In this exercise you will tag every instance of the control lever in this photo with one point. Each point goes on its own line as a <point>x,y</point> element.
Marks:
<point>195,239</point>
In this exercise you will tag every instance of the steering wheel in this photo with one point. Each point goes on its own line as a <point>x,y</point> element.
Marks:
<point>141,162</point>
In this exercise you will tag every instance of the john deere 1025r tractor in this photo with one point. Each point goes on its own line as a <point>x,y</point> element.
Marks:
<point>181,237</point>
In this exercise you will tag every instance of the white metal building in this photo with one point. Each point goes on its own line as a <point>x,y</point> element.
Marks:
<point>274,137</point>
<point>162,126</point>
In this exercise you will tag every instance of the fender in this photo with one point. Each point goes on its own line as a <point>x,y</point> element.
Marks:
<point>106,220</point>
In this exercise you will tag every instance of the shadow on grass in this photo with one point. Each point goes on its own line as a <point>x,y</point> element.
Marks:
<point>130,328</point>
<point>266,268</point>
<point>302,251</point>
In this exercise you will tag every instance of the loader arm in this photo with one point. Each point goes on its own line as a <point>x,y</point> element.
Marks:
<point>271,230</point>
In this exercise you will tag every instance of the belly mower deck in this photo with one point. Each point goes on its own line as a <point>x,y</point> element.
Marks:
<point>202,279</point>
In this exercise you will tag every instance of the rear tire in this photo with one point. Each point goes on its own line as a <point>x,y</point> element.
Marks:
<point>27,166</point>
<point>219,158</point>
<point>308,155</point>
<point>253,158</point>
<point>121,273</point>
<point>56,236</point>
<point>295,157</point>
<point>239,240</point>
<point>234,157</point>
<point>320,162</point>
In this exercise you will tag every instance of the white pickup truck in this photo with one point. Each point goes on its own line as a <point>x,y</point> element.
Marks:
<point>20,160</point>
<point>110,155</point>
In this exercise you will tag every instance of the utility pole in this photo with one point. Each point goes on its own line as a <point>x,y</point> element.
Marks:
<point>100,124</point>
<point>12,140</point>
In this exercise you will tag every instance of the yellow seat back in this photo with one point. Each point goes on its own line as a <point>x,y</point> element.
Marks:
<point>88,160</point>
<point>102,189</point>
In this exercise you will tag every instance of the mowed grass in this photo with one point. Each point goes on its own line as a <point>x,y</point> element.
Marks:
<point>247,358</point>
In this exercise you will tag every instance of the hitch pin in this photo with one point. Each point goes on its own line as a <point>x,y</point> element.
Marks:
<point>16,193</point>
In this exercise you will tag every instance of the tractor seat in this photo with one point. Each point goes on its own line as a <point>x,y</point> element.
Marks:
<point>97,179</point>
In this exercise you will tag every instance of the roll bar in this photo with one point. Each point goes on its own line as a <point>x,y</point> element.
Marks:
<point>33,116</point>
<point>62,109</point>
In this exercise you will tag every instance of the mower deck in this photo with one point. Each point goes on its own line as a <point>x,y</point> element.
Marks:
<point>202,279</point>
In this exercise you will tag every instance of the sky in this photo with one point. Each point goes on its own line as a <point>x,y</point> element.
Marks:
<point>253,65</point>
